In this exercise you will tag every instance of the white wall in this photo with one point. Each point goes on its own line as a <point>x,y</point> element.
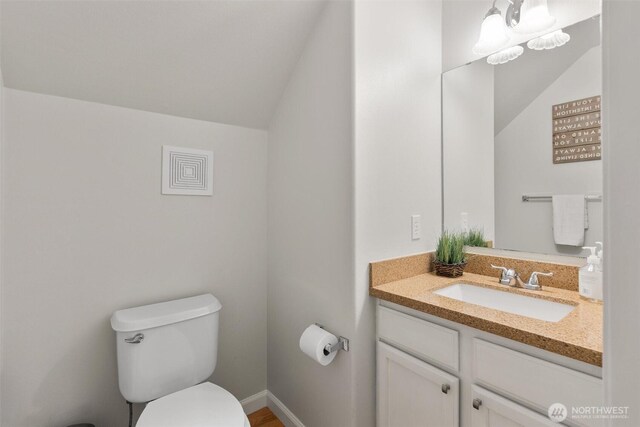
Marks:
<point>310,201</point>
<point>539,69</point>
<point>397,154</point>
<point>311,191</point>
<point>1,216</point>
<point>100,239</point>
<point>461,21</point>
<point>87,232</point>
<point>1,229</point>
<point>468,135</point>
<point>524,165</point>
<point>621,145</point>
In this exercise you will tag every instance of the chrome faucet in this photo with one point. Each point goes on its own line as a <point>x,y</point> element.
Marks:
<point>533,282</point>
<point>509,277</point>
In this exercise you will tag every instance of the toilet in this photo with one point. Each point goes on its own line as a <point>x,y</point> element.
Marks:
<point>166,352</point>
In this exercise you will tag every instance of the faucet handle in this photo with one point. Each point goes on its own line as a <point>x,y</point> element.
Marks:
<point>505,270</point>
<point>506,275</point>
<point>533,280</point>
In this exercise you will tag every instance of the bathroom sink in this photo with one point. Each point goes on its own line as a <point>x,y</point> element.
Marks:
<point>509,302</point>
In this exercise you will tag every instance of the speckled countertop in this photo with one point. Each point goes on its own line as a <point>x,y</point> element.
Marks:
<point>578,335</point>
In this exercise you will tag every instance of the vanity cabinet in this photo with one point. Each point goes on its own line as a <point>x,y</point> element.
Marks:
<point>492,410</point>
<point>535,382</point>
<point>413,393</point>
<point>490,381</point>
<point>426,340</point>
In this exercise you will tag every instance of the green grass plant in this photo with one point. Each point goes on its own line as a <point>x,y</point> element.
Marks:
<point>450,249</point>
<point>475,237</point>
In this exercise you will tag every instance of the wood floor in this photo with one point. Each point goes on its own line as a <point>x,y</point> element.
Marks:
<point>264,418</point>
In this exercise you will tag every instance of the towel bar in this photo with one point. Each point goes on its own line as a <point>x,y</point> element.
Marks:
<point>588,197</point>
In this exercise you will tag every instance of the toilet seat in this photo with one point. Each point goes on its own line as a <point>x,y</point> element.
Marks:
<point>203,405</point>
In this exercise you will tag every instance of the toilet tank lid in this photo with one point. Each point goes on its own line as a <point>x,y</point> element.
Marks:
<point>164,313</point>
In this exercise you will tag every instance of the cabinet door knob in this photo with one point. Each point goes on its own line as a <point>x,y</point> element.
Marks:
<point>477,403</point>
<point>446,388</point>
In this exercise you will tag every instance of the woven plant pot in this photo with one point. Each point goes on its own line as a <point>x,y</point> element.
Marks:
<point>449,270</point>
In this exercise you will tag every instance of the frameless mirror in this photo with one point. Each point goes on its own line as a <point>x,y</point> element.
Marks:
<point>517,134</point>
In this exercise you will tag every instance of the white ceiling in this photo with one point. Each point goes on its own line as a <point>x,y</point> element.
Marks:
<point>221,60</point>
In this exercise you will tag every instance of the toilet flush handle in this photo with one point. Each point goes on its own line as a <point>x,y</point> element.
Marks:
<point>136,339</point>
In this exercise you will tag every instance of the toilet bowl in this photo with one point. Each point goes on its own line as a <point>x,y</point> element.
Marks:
<point>203,405</point>
<point>166,352</point>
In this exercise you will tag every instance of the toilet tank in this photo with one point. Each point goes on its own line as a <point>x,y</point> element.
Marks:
<point>166,347</point>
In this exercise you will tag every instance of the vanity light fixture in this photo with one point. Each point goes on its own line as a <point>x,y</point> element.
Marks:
<point>549,41</point>
<point>505,55</point>
<point>494,33</point>
<point>533,17</point>
<point>522,16</point>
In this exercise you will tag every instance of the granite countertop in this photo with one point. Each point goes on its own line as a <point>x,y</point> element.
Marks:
<point>578,335</point>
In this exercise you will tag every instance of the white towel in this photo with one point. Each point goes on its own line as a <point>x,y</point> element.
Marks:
<point>569,219</point>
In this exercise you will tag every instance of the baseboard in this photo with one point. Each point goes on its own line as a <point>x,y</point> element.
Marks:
<point>266,398</point>
<point>253,403</point>
<point>287,417</point>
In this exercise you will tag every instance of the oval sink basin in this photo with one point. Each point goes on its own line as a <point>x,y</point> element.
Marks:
<point>509,302</point>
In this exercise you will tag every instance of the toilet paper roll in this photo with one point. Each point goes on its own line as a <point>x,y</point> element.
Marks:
<point>313,341</point>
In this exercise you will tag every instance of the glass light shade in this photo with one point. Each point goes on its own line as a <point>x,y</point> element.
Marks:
<point>549,41</point>
<point>505,55</point>
<point>534,17</point>
<point>493,35</point>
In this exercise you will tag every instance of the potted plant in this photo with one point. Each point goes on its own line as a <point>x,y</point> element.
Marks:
<point>475,237</point>
<point>450,258</point>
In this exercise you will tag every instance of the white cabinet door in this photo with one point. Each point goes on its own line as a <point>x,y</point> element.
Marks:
<point>412,393</point>
<point>492,410</point>
<point>535,382</point>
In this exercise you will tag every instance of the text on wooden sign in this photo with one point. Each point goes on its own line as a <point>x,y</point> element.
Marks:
<point>577,131</point>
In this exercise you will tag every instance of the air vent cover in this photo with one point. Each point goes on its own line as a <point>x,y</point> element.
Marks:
<point>187,171</point>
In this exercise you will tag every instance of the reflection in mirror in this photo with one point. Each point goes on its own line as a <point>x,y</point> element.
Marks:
<point>519,129</point>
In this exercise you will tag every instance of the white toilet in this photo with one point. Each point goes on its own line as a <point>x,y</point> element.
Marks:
<point>165,352</point>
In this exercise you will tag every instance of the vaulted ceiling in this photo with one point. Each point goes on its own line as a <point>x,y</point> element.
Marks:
<point>225,61</point>
<point>519,82</point>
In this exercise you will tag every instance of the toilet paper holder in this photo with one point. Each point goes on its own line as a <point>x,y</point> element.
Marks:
<point>342,344</point>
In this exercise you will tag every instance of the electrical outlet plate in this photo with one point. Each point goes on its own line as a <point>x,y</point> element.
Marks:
<point>416,227</point>
<point>464,221</point>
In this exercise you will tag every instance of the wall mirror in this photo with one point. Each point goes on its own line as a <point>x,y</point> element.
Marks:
<point>518,133</point>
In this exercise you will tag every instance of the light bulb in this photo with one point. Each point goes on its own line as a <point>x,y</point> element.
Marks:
<point>493,34</point>
<point>534,17</point>
<point>549,41</point>
<point>505,55</point>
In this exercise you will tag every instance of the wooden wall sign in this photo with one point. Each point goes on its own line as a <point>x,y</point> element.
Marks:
<point>577,131</point>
